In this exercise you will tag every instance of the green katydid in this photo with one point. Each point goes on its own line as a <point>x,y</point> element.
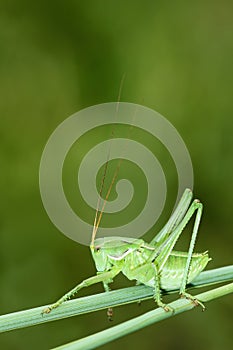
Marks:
<point>154,264</point>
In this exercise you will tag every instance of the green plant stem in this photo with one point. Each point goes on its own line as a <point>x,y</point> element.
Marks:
<point>100,301</point>
<point>110,334</point>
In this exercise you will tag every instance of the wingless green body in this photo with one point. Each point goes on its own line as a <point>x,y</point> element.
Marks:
<point>155,264</point>
<point>133,258</point>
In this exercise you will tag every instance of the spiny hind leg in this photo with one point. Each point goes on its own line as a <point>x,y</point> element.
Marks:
<point>194,300</point>
<point>197,205</point>
<point>105,276</point>
<point>157,290</point>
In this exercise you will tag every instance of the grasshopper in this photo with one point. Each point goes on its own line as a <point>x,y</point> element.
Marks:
<point>153,264</point>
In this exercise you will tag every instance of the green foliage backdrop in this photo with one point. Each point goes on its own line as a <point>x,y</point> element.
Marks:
<point>58,57</point>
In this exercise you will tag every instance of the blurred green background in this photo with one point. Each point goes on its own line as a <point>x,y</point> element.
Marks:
<point>58,57</point>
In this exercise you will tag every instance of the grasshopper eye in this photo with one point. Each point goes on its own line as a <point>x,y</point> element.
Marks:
<point>97,249</point>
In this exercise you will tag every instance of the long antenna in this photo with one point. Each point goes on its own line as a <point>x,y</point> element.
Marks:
<point>108,193</point>
<point>97,222</point>
<point>112,182</point>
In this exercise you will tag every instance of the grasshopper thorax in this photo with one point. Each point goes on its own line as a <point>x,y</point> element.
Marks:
<point>109,251</point>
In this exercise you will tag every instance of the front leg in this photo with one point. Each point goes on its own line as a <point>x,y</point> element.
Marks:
<point>105,276</point>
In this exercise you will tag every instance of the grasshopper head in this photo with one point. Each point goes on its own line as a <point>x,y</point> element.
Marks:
<point>110,250</point>
<point>100,256</point>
